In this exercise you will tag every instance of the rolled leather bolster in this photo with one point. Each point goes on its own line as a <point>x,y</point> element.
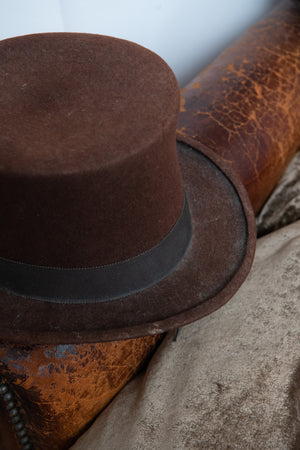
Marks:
<point>246,105</point>
<point>56,391</point>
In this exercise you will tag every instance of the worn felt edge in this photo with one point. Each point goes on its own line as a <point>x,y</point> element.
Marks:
<point>206,307</point>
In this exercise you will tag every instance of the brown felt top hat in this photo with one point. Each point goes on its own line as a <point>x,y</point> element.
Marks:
<point>107,231</point>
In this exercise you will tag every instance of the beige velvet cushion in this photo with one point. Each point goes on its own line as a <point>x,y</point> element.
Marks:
<point>283,206</point>
<point>231,380</point>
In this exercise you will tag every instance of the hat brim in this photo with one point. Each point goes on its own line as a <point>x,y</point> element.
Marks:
<point>214,266</point>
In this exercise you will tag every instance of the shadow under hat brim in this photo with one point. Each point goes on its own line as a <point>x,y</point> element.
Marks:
<point>214,266</point>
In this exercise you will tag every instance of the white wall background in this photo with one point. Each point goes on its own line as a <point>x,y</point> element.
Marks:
<point>187,34</point>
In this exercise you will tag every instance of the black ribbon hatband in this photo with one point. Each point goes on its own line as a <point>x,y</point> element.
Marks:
<point>102,283</point>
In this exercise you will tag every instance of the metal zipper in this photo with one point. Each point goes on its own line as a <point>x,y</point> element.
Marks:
<point>16,418</point>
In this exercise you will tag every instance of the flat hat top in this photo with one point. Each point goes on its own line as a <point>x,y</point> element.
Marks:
<point>88,83</point>
<point>90,177</point>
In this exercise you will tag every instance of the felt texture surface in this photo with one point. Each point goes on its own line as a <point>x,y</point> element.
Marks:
<point>88,166</point>
<point>230,380</point>
<point>215,264</point>
<point>91,176</point>
<point>260,323</point>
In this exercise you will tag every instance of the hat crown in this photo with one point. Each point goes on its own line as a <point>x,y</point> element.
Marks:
<point>88,166</point>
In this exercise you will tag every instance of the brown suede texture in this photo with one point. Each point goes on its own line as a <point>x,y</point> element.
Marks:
<point>90,175</point>
<point>246,105</point>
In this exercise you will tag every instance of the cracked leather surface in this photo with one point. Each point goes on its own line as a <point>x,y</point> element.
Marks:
<point>62,388</point>
<point>246,105</point>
